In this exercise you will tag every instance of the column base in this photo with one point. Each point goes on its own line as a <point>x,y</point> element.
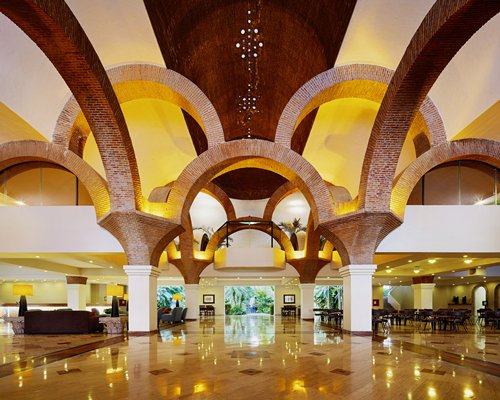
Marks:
<point>357,333</point>
<point>150,333</point>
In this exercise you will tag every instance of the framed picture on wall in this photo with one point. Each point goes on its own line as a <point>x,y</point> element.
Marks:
<point>288,299</point>
<point>209,299</point>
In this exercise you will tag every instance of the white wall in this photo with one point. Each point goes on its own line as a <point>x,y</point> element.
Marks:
<point>218,291</point>
<point>446,229</point>
<point>53,230</point>
<point>437,229</point>
<point>403,295</point>
<point>279,291</point>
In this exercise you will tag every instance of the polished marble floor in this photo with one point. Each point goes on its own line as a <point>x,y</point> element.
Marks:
<point>252,357</point>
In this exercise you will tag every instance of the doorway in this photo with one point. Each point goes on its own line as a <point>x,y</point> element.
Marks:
<point>244,300</point>
<point>479,298</point>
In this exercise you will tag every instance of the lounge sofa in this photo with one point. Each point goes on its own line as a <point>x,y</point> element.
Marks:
<point>49,322</point>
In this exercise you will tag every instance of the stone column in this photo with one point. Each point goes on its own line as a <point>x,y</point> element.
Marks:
<point>76,287</point>
<point>307,301</point>
<point>142,308</point>
<point>357,281</point>
<point>192,300</point>
<point>422,292</point>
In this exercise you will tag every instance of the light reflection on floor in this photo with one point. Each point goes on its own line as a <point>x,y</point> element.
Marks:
<point>257,357</point>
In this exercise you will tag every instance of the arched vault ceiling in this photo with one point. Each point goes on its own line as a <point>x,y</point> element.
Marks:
<point>199,40</point>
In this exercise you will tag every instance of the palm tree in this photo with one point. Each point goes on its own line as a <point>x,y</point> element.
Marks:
<point>292,227</point>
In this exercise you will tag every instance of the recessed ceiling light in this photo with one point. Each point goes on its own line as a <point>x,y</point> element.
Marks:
<point>410,260</point>
<point>461,277</point>
<point>387,266</point>
<point>19,266</point>
<point>465,256</point>
<point>388,271</point>
<point>439,277</point>
<point>478,266</point>
<point>453,285</point>
<point>37,256</point>
<point>433,274</point>
<point>453,271</point>
<point>90,261</point>
<point>468,261</point>
<point>431,261</point>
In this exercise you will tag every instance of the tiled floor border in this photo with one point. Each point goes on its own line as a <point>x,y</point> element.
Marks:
<point>29,363</point>
<point>453,358</point>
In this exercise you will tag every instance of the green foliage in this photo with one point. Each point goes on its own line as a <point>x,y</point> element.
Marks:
<point>210,231</point>
<point>165,294</point>
<point>292,227</point>
<point>237,310</point>
<point>263,301</point>
<point>238,298</point>
<point>328,297</point>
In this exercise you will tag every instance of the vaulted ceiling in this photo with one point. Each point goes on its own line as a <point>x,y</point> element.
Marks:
<point>205,41</point>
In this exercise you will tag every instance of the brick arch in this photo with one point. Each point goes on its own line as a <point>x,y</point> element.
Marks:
<point>362,81</point>
<point>278,195</point>
<point>51,21</point>
<point>484,150</point>
<point>280,236</point>
<point>444,30</point>
<point>160,195</point>
<point>134,81</point>
<point>12,153</point>
<point>220,195</point>
<point>339,195</point>
<point>249,153</point>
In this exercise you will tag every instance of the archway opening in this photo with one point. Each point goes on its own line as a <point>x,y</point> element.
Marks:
<point>479,298</point>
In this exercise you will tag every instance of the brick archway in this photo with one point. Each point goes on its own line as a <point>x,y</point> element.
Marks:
<point>136,81</point>
<point>280,236</point>
<point>51,21</point>
<point>484,150</point>
<point>13,153</point>
<point>362,81</point>
<point>444,30</point>
<point>160,195</point>
<point>249,153</point>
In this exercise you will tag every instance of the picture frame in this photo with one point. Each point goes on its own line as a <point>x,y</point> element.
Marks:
<point>209,299</point>
<point>288,299</point>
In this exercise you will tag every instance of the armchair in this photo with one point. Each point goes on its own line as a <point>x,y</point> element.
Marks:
<point>174,317</point>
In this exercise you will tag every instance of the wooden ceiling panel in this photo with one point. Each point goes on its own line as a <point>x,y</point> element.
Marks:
<point>198,39</point>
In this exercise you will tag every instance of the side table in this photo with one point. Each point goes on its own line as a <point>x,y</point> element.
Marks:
<point>113,325</point>
<point>17,324</point>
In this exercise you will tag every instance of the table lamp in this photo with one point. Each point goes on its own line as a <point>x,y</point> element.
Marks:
<point>23,291</point>
<point>177,297</point>
<point>115,291</point>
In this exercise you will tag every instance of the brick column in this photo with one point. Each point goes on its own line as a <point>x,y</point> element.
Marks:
<point>142,309</point>
<point>76,287</point>
<point>358,298</point>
